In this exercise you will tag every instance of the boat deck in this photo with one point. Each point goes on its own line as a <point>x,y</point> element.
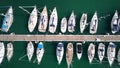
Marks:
<point>91,38</point>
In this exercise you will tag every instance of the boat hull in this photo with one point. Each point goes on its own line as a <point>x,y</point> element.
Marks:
<point>53,21</point>
<point>91,52</point>
<point>32,20</point>
<point>8,20</point>
<point>9,51</point>
<point>43,21</point>
<point>30,50</point>
<point>63,25</point>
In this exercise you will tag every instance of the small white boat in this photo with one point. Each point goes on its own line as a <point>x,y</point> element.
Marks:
<point>30,50</point>
<point>101,51</point>
<point>91,52</point>
<point>83,22</point>
<point>69,54</point>
<point>40,52</point>
<point>60,52</point>
<point>63,25</point>
<point>111,50</point>
<point>8,20</point>
<point>79,50</point>
<point>2,51</point>
<point>9,51</point>
<point>53,21</point>
<point>94,24</point>
<point>114,23</point>
<point>32,20</point>
<point>71,22</point>
<point>118,57</point>
<point>43,21</point>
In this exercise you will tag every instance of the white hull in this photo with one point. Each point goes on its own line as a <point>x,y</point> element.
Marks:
<point>63,25</point>
<point>69,54</point>
<point>71,23</point>
<point>94,24</point>
<point>91,52</point>
<point>83,22</point>
<point>111,53</point>
<point>8,20</point>
<point>30,50</point>
<point>2,51</point>
<point>60,52</point>
<point>9,51</point>
<point>118,57</point>
<point>101,51</point>
<point>43,21</point>
<point>32,20</point>
<point>40,52</point>
<point>53,21</point>
<point>79,50</point>
<point>114,23</point>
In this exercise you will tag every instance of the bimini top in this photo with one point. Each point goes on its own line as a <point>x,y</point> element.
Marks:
<point>40,46</point>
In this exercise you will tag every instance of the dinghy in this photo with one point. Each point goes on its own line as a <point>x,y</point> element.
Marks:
<point>60,52</point>
<point>79,50</point>
<point>94,24</point>
<point>40,52</point>
<point>118,57</point>
<point>32,20</point>
<point>8,20</point>
<point>111,53</point>
<point>114,23</point>
<point>91,52</point>
<point>9,51</point>
<point>30,50</point>
<point>53,21</point>
<point>43,21</point>
<point>71,23</point>
<point>101,51</point>
<point>83,22</point>
<point>63,25</point>
<point>69,54</point>
<point>2,51</point>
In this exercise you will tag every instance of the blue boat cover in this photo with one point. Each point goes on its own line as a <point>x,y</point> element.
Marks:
<point>113,46</point>
<point>52,22</point>
<point>40,46</point>
<point>60,45</point>
<point>3,25</point>
<point>115,27</point>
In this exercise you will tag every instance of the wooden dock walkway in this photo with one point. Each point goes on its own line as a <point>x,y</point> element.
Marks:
<point>91,38</point>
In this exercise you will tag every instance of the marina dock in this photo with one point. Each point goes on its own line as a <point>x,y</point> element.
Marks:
<point>49,38</point>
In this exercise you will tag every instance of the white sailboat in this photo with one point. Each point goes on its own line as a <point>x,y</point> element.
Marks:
<point>2,51</point>
<point>8,20</point>
<point>53,21</point>
<point>63,25</point>
<point>118,57</point>
<point>40,52</point>
<point>69,54</point>
<point>114,23</point>
<point>43,21</point>
<point>60,52</point>
<point>91,52</point>
<point>79,50</point>
<point>71,22</point>
<point>32,20</point>
<point>94,24</point>
<point>101,51</point>
<point>9,51</point>
<point>30,50</point>
<point>83,22</point>
<point>111,50</point>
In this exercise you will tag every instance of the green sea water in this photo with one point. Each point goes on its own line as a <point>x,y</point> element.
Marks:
<point>104,8</point>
